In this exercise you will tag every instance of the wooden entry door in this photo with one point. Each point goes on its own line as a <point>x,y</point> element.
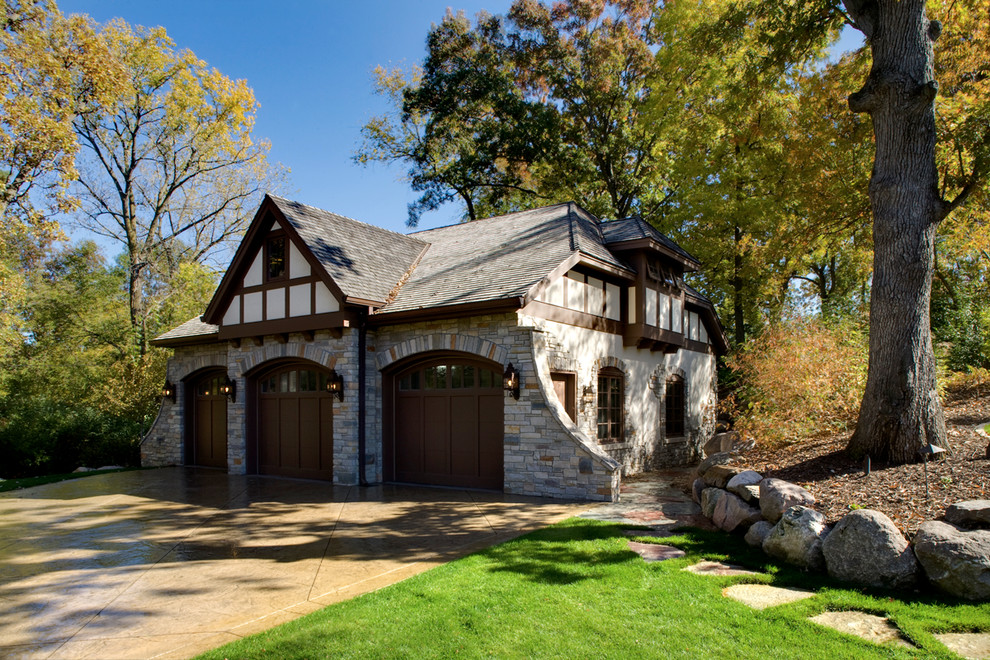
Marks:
<point>448,425</point>
<point>209,422</point>
<point>295,423</point>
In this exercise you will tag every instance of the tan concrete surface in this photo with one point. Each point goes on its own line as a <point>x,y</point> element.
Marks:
<point>172,562</point>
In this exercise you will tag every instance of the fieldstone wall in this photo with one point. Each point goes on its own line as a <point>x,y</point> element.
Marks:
<point>162,445</point>
<point>544,453</point>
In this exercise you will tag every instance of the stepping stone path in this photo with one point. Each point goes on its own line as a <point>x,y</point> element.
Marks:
<point>718,568</point>
<point>654,501</point>
<point>872,628</point>
<point>969,645</point>
<point>655,551</point>
<point>762,596</point>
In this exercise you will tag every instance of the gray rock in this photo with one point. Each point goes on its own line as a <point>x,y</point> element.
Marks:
<point>696,488</point>
<point>757,534</point>
<point>732,513</point>
<point>797,538</point>
<point>974,514</point>
<point>777,496</point>
<point>83,468</point>
<point>750,493</point>
<point>719,476</point>
<point>721,442</point>
<point>721,458</point>
<point>865,547</point>
<point>709,500</point>
<point>738,483</point>
<point>955,560</point>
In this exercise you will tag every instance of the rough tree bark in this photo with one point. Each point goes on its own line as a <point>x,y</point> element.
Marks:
<point>901,411</point>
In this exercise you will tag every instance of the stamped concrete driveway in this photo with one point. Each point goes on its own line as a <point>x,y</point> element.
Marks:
<point>171,562</point>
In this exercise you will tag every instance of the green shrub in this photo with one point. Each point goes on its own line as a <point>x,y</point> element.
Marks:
<point>38,436</point>
<point>798,379</point>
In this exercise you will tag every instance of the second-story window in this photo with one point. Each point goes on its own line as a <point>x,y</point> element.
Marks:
<point>275,258</point>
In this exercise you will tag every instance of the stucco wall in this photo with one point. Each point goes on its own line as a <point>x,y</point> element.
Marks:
<point>584,352</point>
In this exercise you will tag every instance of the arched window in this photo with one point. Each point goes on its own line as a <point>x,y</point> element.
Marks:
<point>674,425</point>
<point>611,385</point>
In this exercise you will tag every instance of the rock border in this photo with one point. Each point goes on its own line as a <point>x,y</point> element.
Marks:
<point>867,550</point>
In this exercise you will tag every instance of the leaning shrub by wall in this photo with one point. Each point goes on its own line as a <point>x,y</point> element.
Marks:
<point>799,379</point>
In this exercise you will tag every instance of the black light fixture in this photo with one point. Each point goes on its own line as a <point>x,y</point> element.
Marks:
<point>229,388</point>
<point>168,391</point>
<point>335,385</point>
<point>510,381</point>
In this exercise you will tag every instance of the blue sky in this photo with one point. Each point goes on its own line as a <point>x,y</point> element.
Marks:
<point>310,66</point>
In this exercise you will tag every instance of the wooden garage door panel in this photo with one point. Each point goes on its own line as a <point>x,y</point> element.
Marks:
<point>436,434</point>
<point>288,446</point>
<point>209,424</point>
<point>490,440</point>
<point>464,435</point>
<point>268,432</point>
<point>409,444</point>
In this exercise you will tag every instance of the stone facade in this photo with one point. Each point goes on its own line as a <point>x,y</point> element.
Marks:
<point>545,452</point>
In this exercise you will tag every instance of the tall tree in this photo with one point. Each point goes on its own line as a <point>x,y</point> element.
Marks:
<point>169,169</point>
<point>901,412</point>
<point>538,106</point>
<point>51,69</point>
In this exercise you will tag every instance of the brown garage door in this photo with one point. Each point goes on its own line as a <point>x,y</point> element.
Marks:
<point>209,422</point>
<point>448,425</point>
<point>295,423</point>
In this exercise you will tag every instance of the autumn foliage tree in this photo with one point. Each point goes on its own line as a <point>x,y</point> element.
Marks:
<point>169,169</point>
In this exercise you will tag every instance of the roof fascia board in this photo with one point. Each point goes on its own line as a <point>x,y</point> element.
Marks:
<point>691,264</point>
<point>446,311</point>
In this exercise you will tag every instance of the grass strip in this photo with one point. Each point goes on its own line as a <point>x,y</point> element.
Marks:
<point>576,590</point>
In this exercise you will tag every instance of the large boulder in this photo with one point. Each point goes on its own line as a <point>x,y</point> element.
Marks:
<point>797,538</point>
<point>758,533</point>
<point>955,560</point>
<point>777,496</point>
<point>741,483</point>
<point>719,476</point>
<point>973,514</point>
<point>721,458</point>
<point>866,547</point>
<point>709,500</point>
<point>732,513</point>
<point>696,488</point>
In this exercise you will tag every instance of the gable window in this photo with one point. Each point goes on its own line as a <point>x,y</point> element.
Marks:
<point>610,393</point>
<point>674,423</point>
<point>275,258</point>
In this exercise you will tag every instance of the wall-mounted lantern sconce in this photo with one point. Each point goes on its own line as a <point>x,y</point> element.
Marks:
<point>510,381</point>
<point>229,388</point>
<point>168,391</point>
<point>335,385</point>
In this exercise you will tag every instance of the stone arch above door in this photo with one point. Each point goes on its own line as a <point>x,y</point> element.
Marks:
<point>442,342</point>
<point>247,362</point>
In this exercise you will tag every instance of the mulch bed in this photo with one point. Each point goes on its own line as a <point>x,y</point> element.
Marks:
<point>840,484</point>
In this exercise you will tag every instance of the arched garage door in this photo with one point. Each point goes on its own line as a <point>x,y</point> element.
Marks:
<point>208,422</point>
<point>447,427</point>
<point>295,423</point>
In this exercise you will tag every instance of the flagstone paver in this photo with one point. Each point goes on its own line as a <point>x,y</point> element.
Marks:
<point>762,596</point>
<point>975,646</point>
<point>872,628</point>
<point>649,533</point>
<point>655,551</point>
<point>718,568</point>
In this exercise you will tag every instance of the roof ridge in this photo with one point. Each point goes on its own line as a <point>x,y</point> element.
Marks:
<point>344,217</point>
<point>464,223</point>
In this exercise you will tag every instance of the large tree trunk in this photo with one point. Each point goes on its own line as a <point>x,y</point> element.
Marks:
<point>901,412</point>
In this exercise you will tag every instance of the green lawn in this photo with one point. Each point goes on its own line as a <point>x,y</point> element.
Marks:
<point>27,482</point>
<point>574,590</point>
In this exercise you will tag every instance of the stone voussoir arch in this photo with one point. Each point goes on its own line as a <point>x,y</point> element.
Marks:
<point>247,362</point>
<point>442,342</point>
<point>180,370</point>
